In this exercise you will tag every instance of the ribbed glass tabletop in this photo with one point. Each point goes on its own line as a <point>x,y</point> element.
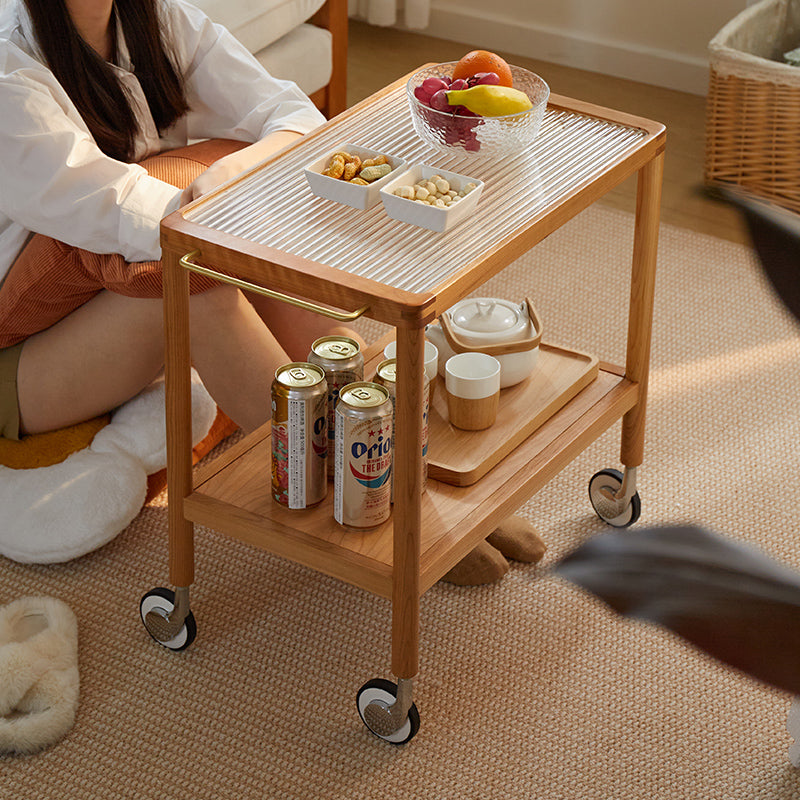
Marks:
<point>275,206</point>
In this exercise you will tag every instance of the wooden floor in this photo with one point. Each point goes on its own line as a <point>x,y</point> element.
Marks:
<point>378,56</point>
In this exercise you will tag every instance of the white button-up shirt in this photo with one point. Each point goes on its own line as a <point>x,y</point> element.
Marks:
<point>55,180</point>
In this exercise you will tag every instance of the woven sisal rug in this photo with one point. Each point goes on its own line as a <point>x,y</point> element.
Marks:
<point>528,688</point>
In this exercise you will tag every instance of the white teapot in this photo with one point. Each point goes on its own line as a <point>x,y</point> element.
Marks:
<point>509,331</point>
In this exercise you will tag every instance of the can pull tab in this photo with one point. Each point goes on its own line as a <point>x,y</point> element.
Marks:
<point>298,373</point>
<point>361,394</point>
<point>339,349</point>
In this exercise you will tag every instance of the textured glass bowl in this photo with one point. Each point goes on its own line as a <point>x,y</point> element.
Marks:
<point>481,136</point>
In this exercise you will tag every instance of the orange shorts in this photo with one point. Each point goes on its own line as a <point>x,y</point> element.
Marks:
<point>49,279</point>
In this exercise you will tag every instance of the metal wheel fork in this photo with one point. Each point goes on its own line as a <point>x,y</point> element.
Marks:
<point>386,720</point>
<point>625,493</point>
<point>164,627</point>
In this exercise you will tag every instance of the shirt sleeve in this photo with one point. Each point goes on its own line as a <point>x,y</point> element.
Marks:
<point>56,181</point>
<point>230,93</point>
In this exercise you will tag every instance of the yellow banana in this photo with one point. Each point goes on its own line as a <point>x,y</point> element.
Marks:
<point>490,101</point>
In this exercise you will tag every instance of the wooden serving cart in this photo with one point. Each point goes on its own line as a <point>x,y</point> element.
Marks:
<point>267,228</point>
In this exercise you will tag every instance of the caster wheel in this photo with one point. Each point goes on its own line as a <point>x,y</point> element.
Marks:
<point>154,608</point>
<point>602,490</point>
<point>373,701</point>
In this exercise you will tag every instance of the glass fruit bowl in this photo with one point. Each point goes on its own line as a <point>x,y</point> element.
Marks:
<point>484,136</point>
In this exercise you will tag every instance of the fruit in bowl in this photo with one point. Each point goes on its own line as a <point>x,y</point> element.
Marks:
<point>482,62</point>
<point>490,101</point>
<point>490,112</point>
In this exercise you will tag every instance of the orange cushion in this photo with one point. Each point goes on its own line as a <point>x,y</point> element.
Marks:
<point>46,449</point>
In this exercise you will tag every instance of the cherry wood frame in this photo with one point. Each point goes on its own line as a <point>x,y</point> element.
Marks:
<point>428,533</point>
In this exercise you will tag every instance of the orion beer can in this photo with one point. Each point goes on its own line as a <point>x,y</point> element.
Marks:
<point>343,362</point>
<point>363,468</point>
<point>299,435</point>
<point>386,375</point>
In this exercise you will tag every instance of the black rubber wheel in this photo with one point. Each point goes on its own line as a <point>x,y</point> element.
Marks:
<point>384,693</point>
<point>161,601</point>
<point>602,488</point>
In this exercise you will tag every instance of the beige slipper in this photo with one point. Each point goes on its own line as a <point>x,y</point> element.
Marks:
<point>38,673</point>
<point>482,565</point>
<point>516,539</point>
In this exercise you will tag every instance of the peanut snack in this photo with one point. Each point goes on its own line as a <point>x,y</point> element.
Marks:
<point>433,191</point>
<point>350,168</point>
<point>335,168</point>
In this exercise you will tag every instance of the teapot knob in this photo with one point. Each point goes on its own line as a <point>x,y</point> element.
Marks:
<point>485,307</point>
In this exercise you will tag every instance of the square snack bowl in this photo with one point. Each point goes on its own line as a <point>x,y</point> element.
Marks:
<point>350,194</point>
<point>425,216</point>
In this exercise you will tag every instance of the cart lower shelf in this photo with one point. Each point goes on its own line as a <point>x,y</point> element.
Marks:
<point>233,495</point>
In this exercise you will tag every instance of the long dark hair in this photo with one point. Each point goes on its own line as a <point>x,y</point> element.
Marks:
<point>92,85</point>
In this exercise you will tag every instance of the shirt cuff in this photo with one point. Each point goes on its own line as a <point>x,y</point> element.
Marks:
<point>148,202</point>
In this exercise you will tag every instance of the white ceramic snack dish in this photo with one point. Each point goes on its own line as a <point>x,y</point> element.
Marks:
<point>350,194</point>
<point>422,215</point>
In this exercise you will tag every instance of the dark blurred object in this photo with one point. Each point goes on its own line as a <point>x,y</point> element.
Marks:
<point>775,233</point>
<point>725,597</point>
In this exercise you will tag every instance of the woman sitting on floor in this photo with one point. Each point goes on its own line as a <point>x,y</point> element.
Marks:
<point>99,100</point>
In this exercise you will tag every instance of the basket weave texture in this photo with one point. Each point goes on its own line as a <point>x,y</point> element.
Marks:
<point>753,105</point>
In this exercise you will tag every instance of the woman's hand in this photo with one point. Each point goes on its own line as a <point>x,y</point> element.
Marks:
<point>234,164</point>
<point>219,172</point>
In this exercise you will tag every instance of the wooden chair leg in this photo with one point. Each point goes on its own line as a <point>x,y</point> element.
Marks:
<point>332,100</point>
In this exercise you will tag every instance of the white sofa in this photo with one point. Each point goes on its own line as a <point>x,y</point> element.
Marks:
<point>302,40</point>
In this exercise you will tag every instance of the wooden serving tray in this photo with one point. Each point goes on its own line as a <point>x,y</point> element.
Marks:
<point>461,457</point>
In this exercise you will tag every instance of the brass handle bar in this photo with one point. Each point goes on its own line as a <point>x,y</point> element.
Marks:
<point>342,316</point>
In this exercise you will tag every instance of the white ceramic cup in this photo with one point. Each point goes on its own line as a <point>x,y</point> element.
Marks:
<point>431,362</point>
<point>472,381</point>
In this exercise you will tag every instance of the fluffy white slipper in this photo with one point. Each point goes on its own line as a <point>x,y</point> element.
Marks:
<point>38,673</point>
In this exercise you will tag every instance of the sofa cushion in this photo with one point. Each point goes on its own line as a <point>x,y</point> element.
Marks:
<point>304,55</point>
<point>257,23</point>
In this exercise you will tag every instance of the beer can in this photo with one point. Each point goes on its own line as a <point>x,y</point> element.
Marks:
<point>386,375</point>
<point>343,362</point>
<point>363,468</point>
<point>299,435</point>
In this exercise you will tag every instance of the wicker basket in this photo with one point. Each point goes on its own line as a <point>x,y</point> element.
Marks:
<point>753,106</point>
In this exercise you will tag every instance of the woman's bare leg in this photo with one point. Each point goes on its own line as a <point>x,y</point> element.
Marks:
<point>296,329</point>
<point>235,354</point>
<point>109,349</point>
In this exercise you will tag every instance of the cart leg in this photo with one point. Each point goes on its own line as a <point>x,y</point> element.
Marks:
<point>407,503</point>
<point>387,709</point>
<point>166,614</point>
<point>640,319</point>
<point>177,385</point>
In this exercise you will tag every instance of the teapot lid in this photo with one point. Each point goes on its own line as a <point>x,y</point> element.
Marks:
<point>485,315</point>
